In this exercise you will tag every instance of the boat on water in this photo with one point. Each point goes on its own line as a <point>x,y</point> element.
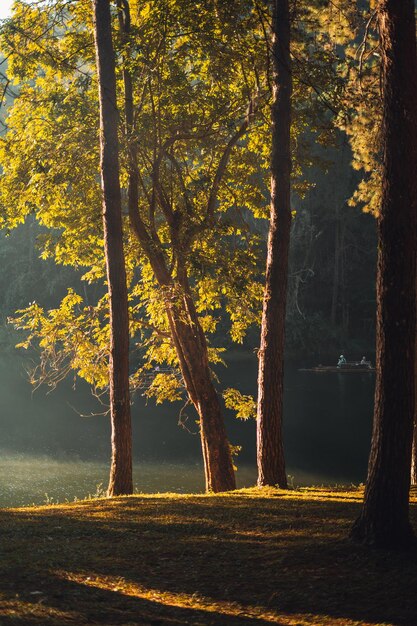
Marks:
<point>350,367</point>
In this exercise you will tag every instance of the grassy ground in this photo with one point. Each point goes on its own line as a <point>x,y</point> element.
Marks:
<point>253,557</point>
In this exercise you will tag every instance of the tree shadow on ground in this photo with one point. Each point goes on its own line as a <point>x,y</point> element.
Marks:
<point>232,561</point>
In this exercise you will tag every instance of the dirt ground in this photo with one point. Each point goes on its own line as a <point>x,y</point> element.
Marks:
<point>251,557</point>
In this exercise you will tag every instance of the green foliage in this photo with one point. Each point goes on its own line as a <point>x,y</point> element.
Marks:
<point>182,93</point>
<point>244,405</point>
<point>200,73</point>
<point>71,337</point>
<point>361,107</point>
<point>234,451</point>
<point>164,387</point>
<point>24,276</point>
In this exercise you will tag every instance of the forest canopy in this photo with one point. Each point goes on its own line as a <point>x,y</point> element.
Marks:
<point>185,116</point>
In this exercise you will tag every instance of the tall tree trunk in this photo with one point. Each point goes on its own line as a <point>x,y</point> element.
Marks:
<point>414,447</point>
<point>121,439</point>
<point>186,332</point>
<point>414,456</point>
<point>384,520</point>
<point>270,451</point>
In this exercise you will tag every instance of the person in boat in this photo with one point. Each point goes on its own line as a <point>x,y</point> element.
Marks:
<point>341,361</point>
<point>364,361</point>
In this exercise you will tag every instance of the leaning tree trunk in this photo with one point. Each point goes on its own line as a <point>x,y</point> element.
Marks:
<point>270,451</point>
<point>384,520</point>
<point>185,328</point>
<point>191,347</point>
<point>121,465</point>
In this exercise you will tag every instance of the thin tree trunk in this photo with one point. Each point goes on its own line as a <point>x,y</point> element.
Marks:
<point>121,439</point>
<point>186,332</point>
<point>270,451</point>
<point>384,520</point>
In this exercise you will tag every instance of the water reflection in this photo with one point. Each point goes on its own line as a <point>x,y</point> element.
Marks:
<point>49,449</point>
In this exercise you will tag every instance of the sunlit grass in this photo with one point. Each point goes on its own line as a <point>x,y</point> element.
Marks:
<point>255,556</point>
<point>36,479</point>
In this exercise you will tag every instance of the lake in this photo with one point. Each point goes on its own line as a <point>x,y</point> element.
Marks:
<point>50,453</point>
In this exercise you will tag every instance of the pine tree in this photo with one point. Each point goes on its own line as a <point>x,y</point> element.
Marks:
<point>271,463</point>
<point>384,518</point>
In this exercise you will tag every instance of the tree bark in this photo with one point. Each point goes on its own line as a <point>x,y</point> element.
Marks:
<point>414,446</point>
<point>414,456</point>
<point>185,328</point>
<point>270,451</point>
<point>384,520</point>
<point>121,438</point>
<point>191,346</point>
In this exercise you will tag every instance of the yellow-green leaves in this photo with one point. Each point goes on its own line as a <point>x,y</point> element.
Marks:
<point>195,68</point>
<point>243,405</point>
<point>164,387</point>
<point>71,337</point>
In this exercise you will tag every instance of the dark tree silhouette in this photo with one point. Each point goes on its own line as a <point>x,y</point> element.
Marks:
<point>271,462</point>
<point>121,465</point>
<point>384,520</point>
<point>414,456</point>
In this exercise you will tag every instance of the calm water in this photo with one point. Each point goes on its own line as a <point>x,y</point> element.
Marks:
<point>50,453</point>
